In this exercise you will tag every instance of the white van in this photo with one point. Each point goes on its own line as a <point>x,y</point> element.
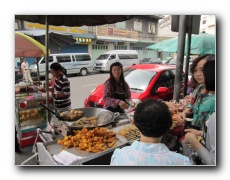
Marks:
<point>81,63</point>
<point>125,57</point>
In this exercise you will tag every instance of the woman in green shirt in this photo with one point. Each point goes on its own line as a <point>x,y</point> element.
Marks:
<point>203,102</point>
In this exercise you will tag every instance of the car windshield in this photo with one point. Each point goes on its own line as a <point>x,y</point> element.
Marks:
<point>138,79</point>
<point>103,57</point>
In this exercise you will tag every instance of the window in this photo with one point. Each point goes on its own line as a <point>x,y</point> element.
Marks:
<point>121,25</point>
<point>166,79</point>
<point>127,56</point>
<point>120,47</point>
<point>137,48</point>
<point>99,46</point>
<point>151,28</point>
<point>137,25</point>
<point>113,56</point>
<point>84,57</point>
<point>204,22</point>
<point>50,60</point>
<point>63,59</point>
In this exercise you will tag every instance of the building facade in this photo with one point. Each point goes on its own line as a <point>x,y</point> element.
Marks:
<point>134,34</point>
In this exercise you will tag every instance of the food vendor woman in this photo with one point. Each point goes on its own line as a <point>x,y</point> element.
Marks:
<point>116,90</point>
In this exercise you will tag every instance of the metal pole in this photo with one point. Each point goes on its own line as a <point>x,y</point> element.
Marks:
<point>180,57</point>
<point>190,18</point>
<point>47,64</point>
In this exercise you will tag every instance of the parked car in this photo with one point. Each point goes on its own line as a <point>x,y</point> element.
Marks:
<point>151,61</point>
<point>74,63</point>
<point>125,57</point>
<point>18,75</point>
<point>145,81</point>
<point>171,61</point>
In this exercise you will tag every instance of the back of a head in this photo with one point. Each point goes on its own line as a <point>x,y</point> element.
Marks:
<point>152,118</point>
<point>209,74</point>
<point>56,66</point>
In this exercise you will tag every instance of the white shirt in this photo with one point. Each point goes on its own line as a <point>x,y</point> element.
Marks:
<point>25,65</point>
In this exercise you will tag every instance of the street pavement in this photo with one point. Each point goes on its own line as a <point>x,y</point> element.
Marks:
<point>81,86</point>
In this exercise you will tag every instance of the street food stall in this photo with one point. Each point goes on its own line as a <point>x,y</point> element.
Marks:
<point>29,114</point>
<point>87,141</point>
<point>89,136</point>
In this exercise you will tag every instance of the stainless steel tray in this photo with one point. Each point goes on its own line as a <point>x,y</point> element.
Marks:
<point>89,112</point>
<point>53,148</point>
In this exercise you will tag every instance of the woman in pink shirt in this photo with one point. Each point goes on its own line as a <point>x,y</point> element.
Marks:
<point>116,90</point>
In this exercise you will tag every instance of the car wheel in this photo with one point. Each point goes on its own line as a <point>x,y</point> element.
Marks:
<point>83,72</point>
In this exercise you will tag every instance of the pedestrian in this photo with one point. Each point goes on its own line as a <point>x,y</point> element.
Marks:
<point>206,148</point>
<point>116,90</point>
<point>202,102</point>
<point>153,119</point>
<point>26,71</point>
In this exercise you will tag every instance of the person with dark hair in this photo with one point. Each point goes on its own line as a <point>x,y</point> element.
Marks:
<point>61,88</point>
<point>116,90</point>
<point>153,119</point>
<point>203,101</point>
<point>51,85</point>
<point>205,149</point>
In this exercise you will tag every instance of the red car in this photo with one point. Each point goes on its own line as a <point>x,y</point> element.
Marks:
<point>145,81</point>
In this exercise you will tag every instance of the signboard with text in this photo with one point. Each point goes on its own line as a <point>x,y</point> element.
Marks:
<point>115,32</point>
<point>63,29</point>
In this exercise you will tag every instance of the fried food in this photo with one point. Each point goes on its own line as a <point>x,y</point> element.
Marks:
<point>84,121</point>
<point>72,114</point>
<point>130,132</point>
<point>95,140</point>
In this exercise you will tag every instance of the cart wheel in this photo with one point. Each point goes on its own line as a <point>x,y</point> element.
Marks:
<point>17,146</point>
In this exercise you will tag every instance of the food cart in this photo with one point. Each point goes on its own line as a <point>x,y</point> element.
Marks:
<point>29,115</point>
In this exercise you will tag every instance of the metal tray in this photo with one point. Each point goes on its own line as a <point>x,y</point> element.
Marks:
<point>118,128</point>
<point>89,112</point>
<point>53,148</point>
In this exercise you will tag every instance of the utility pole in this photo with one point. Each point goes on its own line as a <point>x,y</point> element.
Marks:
<point>180,57</point>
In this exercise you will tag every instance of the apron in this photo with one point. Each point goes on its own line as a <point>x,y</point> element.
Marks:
<point>120,96</point>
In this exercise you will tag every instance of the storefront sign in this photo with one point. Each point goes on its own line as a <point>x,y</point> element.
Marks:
<point>77,30</point>
<point>115,32</point>
<point>83,40</point>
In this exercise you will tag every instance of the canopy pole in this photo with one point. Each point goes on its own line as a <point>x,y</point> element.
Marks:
<point>47,65</point>
<point>190,19</point>
<point>180,57</point>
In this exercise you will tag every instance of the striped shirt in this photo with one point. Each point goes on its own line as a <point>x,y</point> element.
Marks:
<point>62,85</point>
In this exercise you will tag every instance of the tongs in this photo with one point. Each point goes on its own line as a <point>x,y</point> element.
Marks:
<point>132,106</point>
<point>57,114</point>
